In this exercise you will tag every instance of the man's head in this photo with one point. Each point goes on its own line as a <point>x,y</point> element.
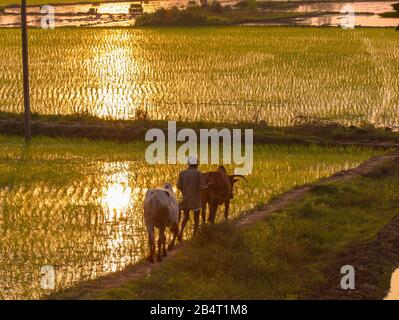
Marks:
<point>192,162</point>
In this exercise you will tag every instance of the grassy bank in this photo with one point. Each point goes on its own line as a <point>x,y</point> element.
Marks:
<point>281,258</point>
<point>302,131</point>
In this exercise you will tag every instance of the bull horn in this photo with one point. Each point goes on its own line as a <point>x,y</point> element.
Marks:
<point>239,176</point>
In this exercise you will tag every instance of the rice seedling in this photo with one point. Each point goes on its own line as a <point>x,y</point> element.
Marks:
<point>198,74</point>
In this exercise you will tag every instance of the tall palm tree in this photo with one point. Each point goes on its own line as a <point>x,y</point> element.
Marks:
<point>25,67</point>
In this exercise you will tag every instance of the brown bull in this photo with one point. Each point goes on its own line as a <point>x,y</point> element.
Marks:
<point>219,191</point>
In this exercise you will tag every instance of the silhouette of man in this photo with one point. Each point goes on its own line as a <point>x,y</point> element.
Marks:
<point>190,183</point>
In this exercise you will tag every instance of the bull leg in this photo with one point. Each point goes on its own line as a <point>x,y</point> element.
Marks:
<point>226,209</point>
<point>212,212</point>
<point>151,241</point>
<point>164,251</point>
<point>160,242</point>
<point>175,230</point>
<point>183,225</point>
<point>203,212</point>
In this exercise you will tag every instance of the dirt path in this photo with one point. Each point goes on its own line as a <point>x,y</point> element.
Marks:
<point>299,193</point>
<point>88,289</point>
<point>370,260</point>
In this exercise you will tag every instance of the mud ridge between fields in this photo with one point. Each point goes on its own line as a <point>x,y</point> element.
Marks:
<point>126,132</point>
<point>87,290</point>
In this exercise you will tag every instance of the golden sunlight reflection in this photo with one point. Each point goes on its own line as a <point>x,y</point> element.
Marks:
<point>115,69</point>
<point>116,198</point>
<point>114,8</point>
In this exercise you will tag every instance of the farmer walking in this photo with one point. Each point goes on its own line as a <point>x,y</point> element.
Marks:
<point>190,183</point>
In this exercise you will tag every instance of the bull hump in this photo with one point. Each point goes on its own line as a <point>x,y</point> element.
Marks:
<point>222,187</point>
<point>218,176</point>
<point>160,189</point>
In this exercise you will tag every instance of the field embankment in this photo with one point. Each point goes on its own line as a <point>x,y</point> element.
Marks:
<point>309,132</point>
<point>285,250</point>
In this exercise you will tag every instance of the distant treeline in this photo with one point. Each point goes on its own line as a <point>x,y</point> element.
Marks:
<point>191,16</point>
<point>245,11</point>
<point>393,14</point>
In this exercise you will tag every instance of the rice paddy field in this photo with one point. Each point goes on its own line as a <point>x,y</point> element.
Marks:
<point>77,205</point>
<point>228,74</point>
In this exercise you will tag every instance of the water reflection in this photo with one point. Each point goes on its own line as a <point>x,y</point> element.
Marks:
<point>365,20</point>
<point>114,68</point>
<point>359,7</point>
<point>84,229</point>
<point>116,197</point>
<point>117,13</point>
<point>110,14</point>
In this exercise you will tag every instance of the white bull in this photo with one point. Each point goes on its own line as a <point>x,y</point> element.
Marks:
<point>161,211</point>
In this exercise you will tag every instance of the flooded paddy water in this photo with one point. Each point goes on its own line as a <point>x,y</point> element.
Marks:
<point>230,74</point>
<point>77,205</point>
<point>367,14</point>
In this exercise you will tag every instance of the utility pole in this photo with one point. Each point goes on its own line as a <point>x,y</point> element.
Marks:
<point>25,67</point>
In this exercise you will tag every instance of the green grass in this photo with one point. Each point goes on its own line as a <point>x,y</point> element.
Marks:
<point>281,258</point>
<point>306,132</point>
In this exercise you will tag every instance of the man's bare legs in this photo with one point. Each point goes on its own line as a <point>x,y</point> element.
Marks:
<point>186,217</point>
